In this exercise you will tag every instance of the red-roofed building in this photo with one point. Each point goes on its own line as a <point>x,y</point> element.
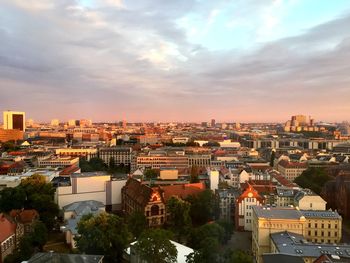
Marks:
<point>140,197</point>
<point>69,170</point>
<point>26,217</point>
<point>181,191</point>
<point>7,236</point>
<point>244,212</point>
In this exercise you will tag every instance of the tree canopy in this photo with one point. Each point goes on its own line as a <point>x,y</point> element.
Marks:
<point>313,178</point>
<point>137,223</point>
<point>150,174</point>
<point>32,193</point>
<point>202,207</point>
<point>179,219</point>
<point>154,246</point>
<point>103,234</point>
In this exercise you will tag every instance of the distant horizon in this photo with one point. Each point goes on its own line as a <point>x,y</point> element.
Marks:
<point>240,120</point>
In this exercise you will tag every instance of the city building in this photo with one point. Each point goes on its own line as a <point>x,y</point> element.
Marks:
<point>162,160</point>
<point>291,170</point>
<point>244,208</point>
<point>14,120</point>
<point>97,186</point>
<point>293,244</point>
<point>72,214</point>
<point>314,226</point>
<point>119,155</point>
<point>55,122</point>
<point>10,135</point>
<point>58,162</point>
<point>139,197</point>
<point>53,257</point>
<point>7,236</point>
<point>199,160</point>
<point>86,153</point>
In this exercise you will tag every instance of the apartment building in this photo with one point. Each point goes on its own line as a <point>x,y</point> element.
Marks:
<point>291,170</point>
<point>86,153</point>
<point>244,208</point>
<point>199,160</point>
<point>270,220</point>
<point>58,162</point>
<point>162,160</point>
<point>120,155</point>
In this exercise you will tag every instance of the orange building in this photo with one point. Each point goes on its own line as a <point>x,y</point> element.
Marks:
<point>10,135</point>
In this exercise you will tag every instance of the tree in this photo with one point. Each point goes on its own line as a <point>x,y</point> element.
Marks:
<point>202,206</point>
<point>32,193</point>
<point>237,256</point>
<point>39,236</point>
<point>313,178</point>
<point>202,233</point>
<point>137,223</point>
<point>12,198</point>
<point>208,252</point>
<point>228,229</point>
<point>97,164</point>
<point>40,196</point>
<point>194,174</point>
<point>154,246</point>
<point>103,234</point>
<point>272,158</point>
<point>179,219</point>
<point>111,162</point>
<point>150,174</point>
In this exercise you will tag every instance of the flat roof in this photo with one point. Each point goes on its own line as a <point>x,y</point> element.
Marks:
<point>277,212</point>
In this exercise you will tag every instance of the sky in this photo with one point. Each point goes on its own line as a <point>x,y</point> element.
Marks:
<point>183,60</point>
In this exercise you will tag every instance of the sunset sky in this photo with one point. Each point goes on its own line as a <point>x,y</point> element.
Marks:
<point>175,60</point>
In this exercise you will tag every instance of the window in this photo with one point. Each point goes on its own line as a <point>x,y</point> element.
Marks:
<point>336,225</point>
<point>154,210</point>
<point>309,233</point>
<point>315,225</point>
<point>336,234</point>
<point>329,225</point>
<point>315,232</point>
<point>309,225</point>
<point>322,226</point>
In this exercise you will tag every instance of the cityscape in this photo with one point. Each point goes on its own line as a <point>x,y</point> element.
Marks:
<point>187,131</point>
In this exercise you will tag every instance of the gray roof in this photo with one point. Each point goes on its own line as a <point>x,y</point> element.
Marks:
<point>320,214</point>
<point>285,192</point>
<point>277,212</point>
<point>64,258</point>
<point>295,244</point>
<point>89,174</point>
<point>278,258</point>
<point>80,209</point>
<point>84,207</point>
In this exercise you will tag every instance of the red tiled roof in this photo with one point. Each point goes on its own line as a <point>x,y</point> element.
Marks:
<point>69,170</point>
<point>7,228</point>
<point>16,153</point>
<point>287,164</point>
<point>181,191</point>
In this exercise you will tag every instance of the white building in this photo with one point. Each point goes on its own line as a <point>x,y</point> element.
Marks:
<point>14,120</point>
<point>214,179</point>
<point>97,186</point>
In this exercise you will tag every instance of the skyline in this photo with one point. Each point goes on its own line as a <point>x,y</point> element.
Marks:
<point>186,61</point>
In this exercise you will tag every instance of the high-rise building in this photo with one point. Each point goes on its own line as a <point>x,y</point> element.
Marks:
<point>14,120</point>
<point>212,122</point>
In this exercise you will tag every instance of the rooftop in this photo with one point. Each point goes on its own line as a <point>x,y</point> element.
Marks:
<point>277,212</point>
<point>294,244</point>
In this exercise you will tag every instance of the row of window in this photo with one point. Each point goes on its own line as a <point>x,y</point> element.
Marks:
<point>323,233</point>
<point>323,225</point>
<point>8,244</point>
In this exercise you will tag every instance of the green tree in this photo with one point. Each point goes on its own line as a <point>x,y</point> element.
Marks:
<point>202,207</point>
<point>237,256</point>
<point>12,198</point>
<point>208,252</point>
<point>85,165</point>
<point>97,164</point>
<point>103,234</point>
<point>228,228</point>
<point>40,196</point>
<point>210,230</point>
<point>39,236</point>
<point>112,162</point>
<point>150,174</point>
<point>137,223</point>
<point>179,219</point>
<point>154,246</point>
<point>313,178</point>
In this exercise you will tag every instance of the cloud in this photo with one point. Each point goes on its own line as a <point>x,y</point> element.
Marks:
<point>70,59</point>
